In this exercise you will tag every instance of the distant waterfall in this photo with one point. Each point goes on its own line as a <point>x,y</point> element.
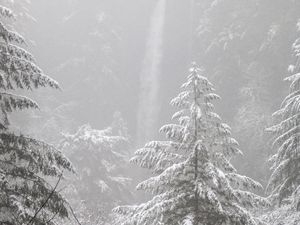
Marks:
<point>149,79</point>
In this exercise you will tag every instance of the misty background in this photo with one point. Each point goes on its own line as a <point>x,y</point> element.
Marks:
<point>99,53</point>
<point>132,56</point>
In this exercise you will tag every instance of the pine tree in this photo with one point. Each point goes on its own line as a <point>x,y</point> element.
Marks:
<point>285,178</point>
<point>247,69</point>
<point>195,182</point>
<point>25,163</point>
<point>101,158</point>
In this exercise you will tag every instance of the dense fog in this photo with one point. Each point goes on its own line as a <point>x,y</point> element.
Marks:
<point>138,112</point>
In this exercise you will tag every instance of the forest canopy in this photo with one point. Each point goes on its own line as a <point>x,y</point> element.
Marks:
<point>87,134</point>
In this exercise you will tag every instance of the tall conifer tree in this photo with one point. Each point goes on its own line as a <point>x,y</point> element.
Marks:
<point>25,163</point>
<point>194,181</point>
<point>285,178</point>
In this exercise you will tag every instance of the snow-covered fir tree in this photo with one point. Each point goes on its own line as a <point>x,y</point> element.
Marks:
<point>101,158</point>
<point>194,181</point>
<point>284,183</point>
<point>25,163</point>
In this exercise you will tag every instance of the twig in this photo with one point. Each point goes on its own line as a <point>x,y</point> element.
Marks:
<point>52,192</point>
<point>74,215</point>
<point>53,216</point>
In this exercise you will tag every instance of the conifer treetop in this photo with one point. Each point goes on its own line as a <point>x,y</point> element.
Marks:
<point>194,181</point>
<point>285,177</point>
<point>26,196</point>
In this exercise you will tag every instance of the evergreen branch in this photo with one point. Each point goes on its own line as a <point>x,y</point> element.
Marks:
<point>15,217</point>
<point>44,204</point>
<point>54,215</point>
<point>74,215</point>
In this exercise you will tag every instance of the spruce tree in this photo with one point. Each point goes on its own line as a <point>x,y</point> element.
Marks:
<point>25,163</point>
<point>285,177</point>
<point>194,181</point>
<point>247,70</point>
<point>101,158</point>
